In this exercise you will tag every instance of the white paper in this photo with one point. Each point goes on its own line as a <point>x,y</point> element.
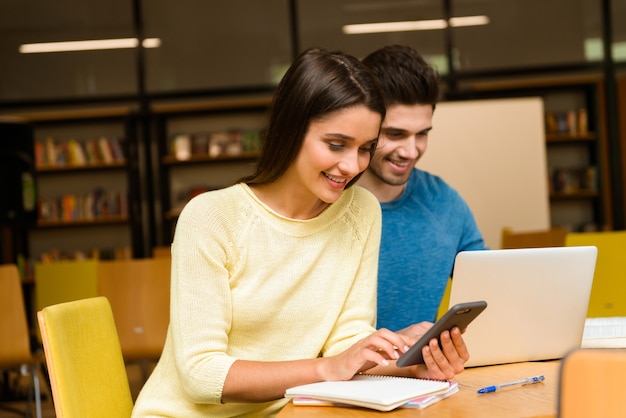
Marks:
<point>607,332</point>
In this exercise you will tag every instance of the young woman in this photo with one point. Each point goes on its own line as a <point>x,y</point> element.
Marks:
<point>274,278</point>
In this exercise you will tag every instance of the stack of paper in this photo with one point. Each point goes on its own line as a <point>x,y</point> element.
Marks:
<point>420,402</point>
<point>382,393</point>
<point>609,332</point>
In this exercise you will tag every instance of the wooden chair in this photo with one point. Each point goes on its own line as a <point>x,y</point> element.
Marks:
<point>15,352</point>
<point>139,293</point>
<point>553,237</point>
<point>87,371</point>
<point>592,384</point>
<point>608,292</point>
<point>162,251</point>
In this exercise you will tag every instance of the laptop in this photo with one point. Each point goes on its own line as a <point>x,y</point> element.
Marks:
<point>537,301</point>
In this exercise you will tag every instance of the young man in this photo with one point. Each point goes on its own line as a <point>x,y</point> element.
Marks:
<point>425,221</point>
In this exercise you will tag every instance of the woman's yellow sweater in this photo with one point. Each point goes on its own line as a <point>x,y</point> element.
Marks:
<point>248,283</point>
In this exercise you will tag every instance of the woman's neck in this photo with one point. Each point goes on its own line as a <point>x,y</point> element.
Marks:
<point>289,203</point>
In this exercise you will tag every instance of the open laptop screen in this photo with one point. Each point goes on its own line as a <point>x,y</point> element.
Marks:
<point>537,301</point>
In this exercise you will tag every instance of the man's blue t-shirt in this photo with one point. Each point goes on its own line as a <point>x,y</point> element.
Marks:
<point>423,230</point>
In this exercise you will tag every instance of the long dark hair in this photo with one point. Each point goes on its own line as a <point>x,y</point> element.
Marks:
<point>316,84</point>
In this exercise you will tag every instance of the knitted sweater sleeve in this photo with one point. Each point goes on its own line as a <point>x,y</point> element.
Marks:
<point>359,311</point>
<point>200,300</point>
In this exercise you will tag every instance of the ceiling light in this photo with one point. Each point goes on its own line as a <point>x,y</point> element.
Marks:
<point>92,45</point>
<point>469,21</point>
<point>414,25</point>
<point>394,26</point>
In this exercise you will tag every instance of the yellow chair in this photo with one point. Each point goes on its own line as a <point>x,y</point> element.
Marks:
<point>592,384</point>
<point>15,353</point>
<point>139,293</point>
<point>553,237</point>
<point>445,300</point>
<point>608,292</point>
<point>87,372</point>
<point>65,281</point>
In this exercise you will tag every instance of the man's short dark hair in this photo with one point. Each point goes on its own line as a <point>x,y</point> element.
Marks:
<point>405,76</point>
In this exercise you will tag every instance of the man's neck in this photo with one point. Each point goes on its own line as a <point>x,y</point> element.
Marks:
<point>383,191</point>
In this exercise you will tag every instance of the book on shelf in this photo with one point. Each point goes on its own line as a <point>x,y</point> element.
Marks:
<point>76,153</point>
<point>40,153</point>
<point>69,205</point>
<point>105,150</point>
<point>200,143</point>
<point>382,393</point>
<point>181,146</point>
<point>116,150</point>
<point>50,152</point>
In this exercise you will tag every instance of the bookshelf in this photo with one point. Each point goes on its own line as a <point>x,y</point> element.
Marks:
<point>203,145</point>
<point>87,184</point>
<point>576,145</point>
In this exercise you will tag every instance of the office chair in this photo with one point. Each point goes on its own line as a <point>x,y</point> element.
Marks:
<point>608,292</point>
<point>591,384</point>
<point>87,372</point>
<point>15,353</point>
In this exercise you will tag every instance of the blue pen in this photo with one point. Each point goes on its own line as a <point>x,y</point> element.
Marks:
<point>517,383</point>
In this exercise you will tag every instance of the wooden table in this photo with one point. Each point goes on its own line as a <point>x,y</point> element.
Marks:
<point>536,400</point>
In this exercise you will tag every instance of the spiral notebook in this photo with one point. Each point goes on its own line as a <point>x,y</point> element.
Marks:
<point>420,402</point>
<point>382,393</point>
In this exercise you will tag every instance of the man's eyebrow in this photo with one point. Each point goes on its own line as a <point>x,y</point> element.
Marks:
<point>392,128</point>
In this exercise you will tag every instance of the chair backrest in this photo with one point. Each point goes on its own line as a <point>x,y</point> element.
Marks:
<point>608,292</point>
<point>139,293</point>
<point>65,281</point>
<point>87,372</point>
<point>162,251</point>
<point>592,384</point>
<point>14,333</point>
<point>553,237</point>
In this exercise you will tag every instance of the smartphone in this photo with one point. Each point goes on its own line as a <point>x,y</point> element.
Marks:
<point>460,315</point>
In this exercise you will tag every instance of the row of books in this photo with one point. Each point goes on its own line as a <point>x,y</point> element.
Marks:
<point>215,144</point>
<point>72,152</point>
<point>572,180</point>
<point>118,253</point>
<point>97,204</point>
<point>580,227</point>
<point>571,122</point>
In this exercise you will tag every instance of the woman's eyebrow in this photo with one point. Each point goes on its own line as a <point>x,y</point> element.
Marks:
<point>338,136</point>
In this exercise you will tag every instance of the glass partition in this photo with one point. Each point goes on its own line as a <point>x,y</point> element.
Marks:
<point>618,17</point>
<point>217,44</point>
<point>361,26</point>
<point>200,45</point>
<point>26,74</point>
<point>527,33</point>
